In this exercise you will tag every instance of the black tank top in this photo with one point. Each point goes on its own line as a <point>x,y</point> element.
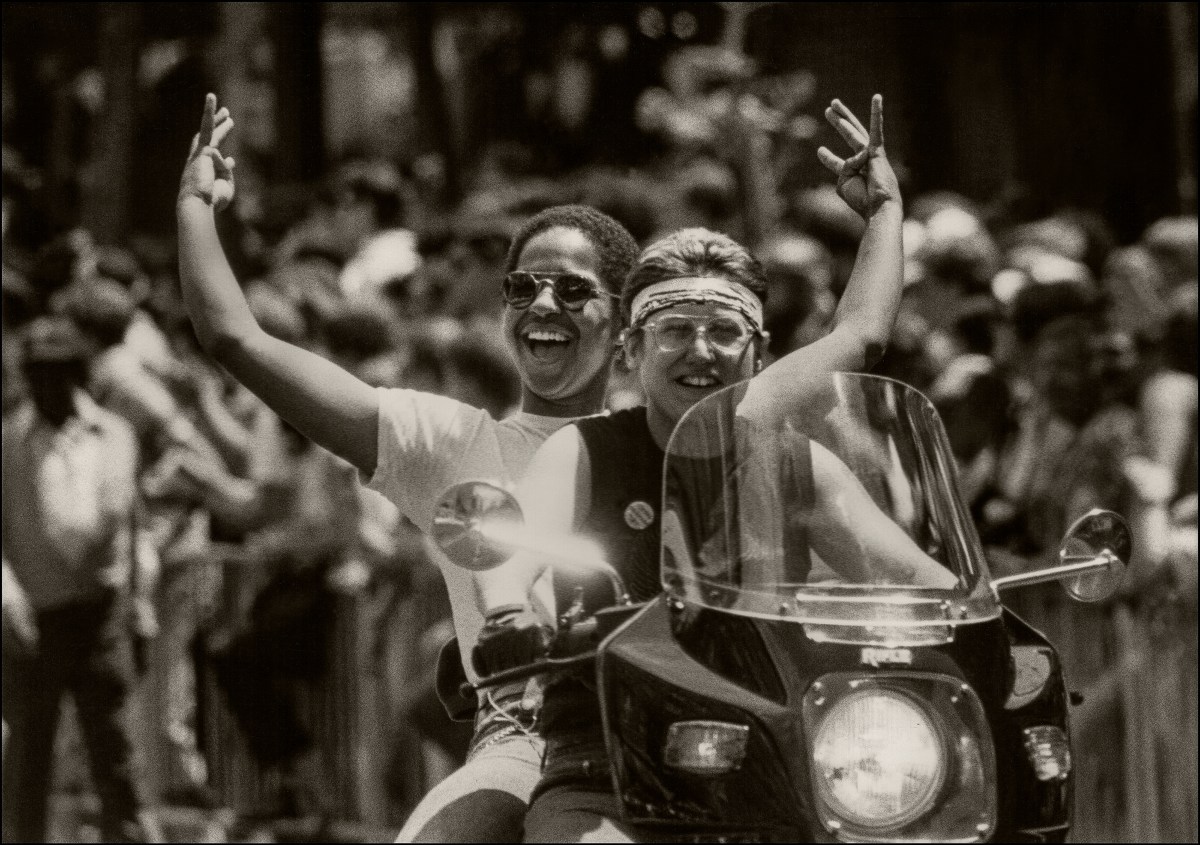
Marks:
<point>626,496</point>
<point>624,520</point>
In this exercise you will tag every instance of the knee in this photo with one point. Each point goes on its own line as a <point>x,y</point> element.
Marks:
<point>486,815</point>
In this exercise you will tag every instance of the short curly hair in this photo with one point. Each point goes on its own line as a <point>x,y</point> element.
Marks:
<point>617,248</point>
<point>694,252</point>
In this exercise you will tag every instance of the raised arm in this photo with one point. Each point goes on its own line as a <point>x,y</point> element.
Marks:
<point>324,402</point>
<point>862,323</point>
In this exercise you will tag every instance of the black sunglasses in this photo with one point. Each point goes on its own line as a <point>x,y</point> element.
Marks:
<point>521,288</point>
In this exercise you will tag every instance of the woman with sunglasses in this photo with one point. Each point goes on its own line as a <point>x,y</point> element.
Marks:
<point>694,303</point>
<point>561,322</point>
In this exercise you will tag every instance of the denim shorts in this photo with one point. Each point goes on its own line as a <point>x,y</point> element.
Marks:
<point>485,800</point>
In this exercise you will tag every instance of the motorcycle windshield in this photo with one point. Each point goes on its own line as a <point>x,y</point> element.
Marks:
<point>836,504</point>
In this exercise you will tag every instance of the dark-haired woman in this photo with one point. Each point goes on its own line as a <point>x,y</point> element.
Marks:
<point>561,321</point>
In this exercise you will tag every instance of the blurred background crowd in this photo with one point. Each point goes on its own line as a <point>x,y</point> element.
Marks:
<point>386,154</point>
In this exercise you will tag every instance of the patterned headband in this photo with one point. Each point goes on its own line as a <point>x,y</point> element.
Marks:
<point>710,290</point>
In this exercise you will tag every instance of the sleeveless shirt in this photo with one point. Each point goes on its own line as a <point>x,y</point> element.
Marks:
<point>624,520</point>
<point>626,496</point>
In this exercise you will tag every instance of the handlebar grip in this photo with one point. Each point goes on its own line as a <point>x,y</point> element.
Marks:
<point>572,648</point>
<point>574,640</point>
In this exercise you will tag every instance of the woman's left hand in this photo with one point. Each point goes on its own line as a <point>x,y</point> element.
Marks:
<point>865,180</point>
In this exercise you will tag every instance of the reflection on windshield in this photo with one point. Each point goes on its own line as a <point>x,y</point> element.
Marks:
<point>843,494</point>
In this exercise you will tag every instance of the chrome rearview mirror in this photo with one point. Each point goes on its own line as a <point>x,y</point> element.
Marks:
<point>479,526</point>
<point>1099,535</point>
<point>470,520</point>
<point>1091,562</point>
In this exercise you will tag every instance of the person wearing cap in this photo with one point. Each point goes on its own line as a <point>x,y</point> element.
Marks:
<point>563,270</point>
<point>696,324</point>
<point>69,538</point>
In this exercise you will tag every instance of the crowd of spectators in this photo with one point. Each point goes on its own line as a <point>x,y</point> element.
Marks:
<point>1063,364</point>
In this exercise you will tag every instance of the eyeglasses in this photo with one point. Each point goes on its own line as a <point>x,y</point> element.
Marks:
<point>521,288</point>
<point>725,334</point>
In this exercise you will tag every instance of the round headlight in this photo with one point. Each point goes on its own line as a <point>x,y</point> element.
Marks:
<point>879,759</point>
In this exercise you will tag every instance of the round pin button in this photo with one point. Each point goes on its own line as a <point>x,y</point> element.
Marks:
<point>639,515</point>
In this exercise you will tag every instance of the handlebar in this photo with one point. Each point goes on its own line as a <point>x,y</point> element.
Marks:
<point>576,647</point>
<point>529,670</point>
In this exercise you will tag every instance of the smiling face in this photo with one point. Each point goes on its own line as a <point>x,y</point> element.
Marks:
<point>675,381</point>
<point>563,356</point>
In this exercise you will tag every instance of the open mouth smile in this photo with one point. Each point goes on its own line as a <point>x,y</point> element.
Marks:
<point>545,342</point>
<point>698,381</point>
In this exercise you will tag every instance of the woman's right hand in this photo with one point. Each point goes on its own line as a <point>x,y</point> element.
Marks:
<point>208,175</point>
<point>512,636</point>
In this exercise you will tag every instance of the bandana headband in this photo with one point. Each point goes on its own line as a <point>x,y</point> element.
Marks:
<point>714,291</point>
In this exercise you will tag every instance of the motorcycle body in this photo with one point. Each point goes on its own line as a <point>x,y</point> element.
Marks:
<point>747,728</point>
<point>830,659</point>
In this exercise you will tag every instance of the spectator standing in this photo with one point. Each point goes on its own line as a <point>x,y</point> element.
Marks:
<point>69,535</point>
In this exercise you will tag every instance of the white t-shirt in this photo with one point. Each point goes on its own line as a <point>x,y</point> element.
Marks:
<point>429,442</point>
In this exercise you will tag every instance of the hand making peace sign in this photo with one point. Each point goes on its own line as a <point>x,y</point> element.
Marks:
<point>208,174</point>
<point>865,180</point>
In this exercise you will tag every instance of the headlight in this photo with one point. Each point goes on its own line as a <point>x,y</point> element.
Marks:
<point>879,759</point>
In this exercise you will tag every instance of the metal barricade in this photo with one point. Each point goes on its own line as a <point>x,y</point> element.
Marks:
<point>237,778</point>
<point>339,709</point>
<point>1134,660</point>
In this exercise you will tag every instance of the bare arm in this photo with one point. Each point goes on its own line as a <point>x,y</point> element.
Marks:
<point>144,574</point>
<point>863,321</point>
<point>324,402</point>
<point>860,541</point>
<point>20,620</point>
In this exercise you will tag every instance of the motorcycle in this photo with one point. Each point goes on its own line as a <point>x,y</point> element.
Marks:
<point>791,682</point>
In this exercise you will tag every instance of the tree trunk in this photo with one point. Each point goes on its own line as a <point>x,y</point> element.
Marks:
<point>1181,20</point>
<point>106,181</point>
<point>299,130</point>
<point>432,116</point>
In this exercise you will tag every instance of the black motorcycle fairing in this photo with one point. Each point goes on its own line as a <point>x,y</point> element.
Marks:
<point>730,645</point>
<point>672,663</point>
<point>780,660</point>
<point>647,682</point>
<point>1032,810</point>
<point>779,656</point>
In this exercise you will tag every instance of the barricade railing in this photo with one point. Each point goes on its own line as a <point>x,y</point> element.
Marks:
<point>1134,661</point>
<point>343,712</point>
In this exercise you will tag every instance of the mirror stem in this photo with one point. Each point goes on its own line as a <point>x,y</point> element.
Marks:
<point>1072,565</point>
<point>619,591</point>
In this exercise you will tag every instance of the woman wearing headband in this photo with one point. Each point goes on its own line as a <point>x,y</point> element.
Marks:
<point>694,304</point>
